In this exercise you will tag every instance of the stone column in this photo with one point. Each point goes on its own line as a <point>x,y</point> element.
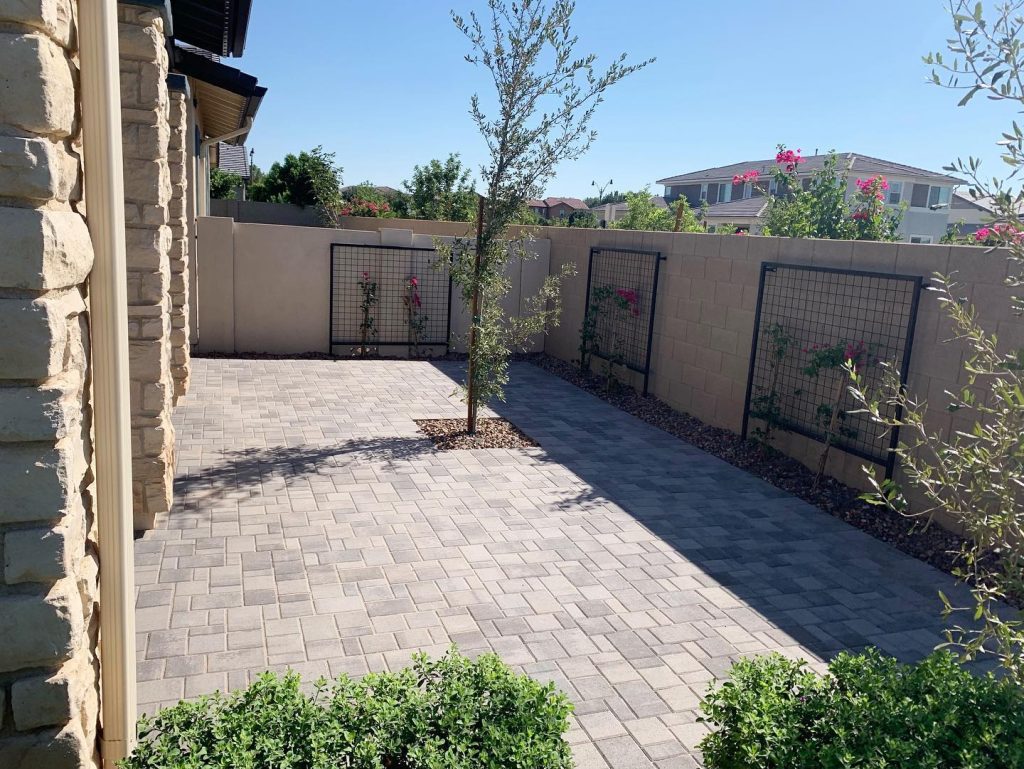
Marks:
<point>147,184</point>
<point>48,582</point>
<point>179,221</point>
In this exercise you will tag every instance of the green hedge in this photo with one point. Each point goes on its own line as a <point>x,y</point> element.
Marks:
<point>869,712</point>
<point>452,713</point>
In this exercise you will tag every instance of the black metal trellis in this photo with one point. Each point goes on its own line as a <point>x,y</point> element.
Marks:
<point>623,269</point>
<point>391,267</point>
<point>823,306</point>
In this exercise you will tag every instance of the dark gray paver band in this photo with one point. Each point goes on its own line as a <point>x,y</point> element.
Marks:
<point>315,529</point>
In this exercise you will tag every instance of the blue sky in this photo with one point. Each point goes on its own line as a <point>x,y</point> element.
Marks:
<point>385,85</point>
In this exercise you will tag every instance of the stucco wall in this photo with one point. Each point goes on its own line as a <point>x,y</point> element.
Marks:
<point>48,564</point>
<point>266,288</point>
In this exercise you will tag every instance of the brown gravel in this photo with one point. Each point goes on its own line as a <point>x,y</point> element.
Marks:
<point>491,433</point>
<point>931,544</point>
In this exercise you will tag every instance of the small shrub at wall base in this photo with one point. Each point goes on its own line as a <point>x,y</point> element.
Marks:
<point>451,713</point>
<point>870,711</point>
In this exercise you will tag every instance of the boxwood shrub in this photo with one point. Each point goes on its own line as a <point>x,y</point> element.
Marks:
<point>870,711</point>
<point>451,713</point>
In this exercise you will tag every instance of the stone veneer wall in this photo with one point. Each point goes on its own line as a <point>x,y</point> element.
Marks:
<point>178,210</point>
<point>48,581</point>
<point>147,181</point>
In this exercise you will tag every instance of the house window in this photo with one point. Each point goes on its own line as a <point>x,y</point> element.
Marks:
<point>895,193</point>
<point>925,196</point>
<point>921,239</point>
<point>938,196</point>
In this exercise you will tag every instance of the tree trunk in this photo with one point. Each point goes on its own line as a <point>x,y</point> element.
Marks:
<point>471,390</point>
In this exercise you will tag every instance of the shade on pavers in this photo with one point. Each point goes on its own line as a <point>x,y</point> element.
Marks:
<point>315,529</point>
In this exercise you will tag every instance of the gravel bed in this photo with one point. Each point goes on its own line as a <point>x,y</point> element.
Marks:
<point>491,433</point>
<point>929,543</point>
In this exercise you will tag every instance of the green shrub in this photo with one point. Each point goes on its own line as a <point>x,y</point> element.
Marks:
<point>870,711</point>
<point>452,713</point>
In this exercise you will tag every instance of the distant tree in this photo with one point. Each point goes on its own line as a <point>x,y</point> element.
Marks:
<point>365,199</point>
<point>643,214</point>
<point>441,191</point>
<point>223,184</point>
<point>308,179</point>
<point>582,219</point>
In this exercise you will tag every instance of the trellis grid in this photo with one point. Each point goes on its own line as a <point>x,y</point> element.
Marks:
<point>631,333</point>
<point>801,308</point>
<point>391,268</point>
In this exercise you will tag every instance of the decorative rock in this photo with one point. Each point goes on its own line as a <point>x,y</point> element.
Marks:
<point>40,481</point>
<point>52,17</point>
<point>42,413</point>
<point>42,249</point>
<point>38,630</point>
<point>37,91</point>
<point>35,332</point>
<point>41,701</point>
<point>36,169</point>
<point>40,554</point>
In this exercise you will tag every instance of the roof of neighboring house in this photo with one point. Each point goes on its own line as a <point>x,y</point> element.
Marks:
<point>218,26</point>
<point>855,162</point>
<point>233,158</point>
<point>228,98</point>
<point>985,203</point>
<point>552,202</point>
<point>383,189</point>
<point>749,207</point>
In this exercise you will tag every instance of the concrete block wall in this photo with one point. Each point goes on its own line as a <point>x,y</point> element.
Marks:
<point>146,132</point>
<point>178,160</point>
<point>48,564</point>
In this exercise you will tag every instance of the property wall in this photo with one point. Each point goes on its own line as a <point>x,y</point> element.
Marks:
<point>255,212</point>
<point>266,288</point>
<point>705,315</point>
<point>147,182</point>
<point>48,565</point>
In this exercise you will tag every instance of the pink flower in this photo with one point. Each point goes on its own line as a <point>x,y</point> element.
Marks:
<point>414,281</point>
<point>860,215</point>
<point>982,234</point>
<point>366,275</point>
<point>790,159</point>
<point>746,176</point>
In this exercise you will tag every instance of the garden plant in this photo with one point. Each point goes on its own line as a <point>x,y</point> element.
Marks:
<point>546,95</point>
<point>367,324</point>
<point>415,318</point>
<point>869,711</point>
<point>450,713</point>
<point>767,404</point>
<point>973,475</point>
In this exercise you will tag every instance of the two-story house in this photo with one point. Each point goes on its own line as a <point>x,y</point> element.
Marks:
<point>927,194</point>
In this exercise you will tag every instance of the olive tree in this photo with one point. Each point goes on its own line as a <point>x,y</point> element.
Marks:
<point>545,98</point>
<point>974,477</point>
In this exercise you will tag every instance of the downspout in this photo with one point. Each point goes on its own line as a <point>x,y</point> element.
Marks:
<point>204,154</point>
<point>104,195</point>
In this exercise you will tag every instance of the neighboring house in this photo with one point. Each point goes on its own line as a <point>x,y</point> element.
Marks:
<point>232,159</point>
<point>967,215</point>
<point>927,194</point>
<point>556,208</point>
<point>609,213</point>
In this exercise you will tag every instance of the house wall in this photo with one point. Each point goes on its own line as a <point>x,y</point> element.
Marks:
<point>266,288</point>
<point>178,220</point>
<point>48,562</point>
<point>146,134</point>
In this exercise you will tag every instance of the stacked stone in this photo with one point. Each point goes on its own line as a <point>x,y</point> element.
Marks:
<point>147,184</point>
<point>178,159</point>
<point>48,582</point>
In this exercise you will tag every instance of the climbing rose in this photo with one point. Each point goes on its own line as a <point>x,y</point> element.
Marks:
<point>746,176</point>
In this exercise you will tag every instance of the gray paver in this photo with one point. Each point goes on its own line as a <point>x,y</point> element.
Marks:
<point>314,528</point>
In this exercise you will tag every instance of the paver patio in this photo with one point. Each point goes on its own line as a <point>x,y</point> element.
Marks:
<point>315,529</point>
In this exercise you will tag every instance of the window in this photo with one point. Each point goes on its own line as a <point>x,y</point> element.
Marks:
<point>921,239</point>
<point>895,193</point>
<point>925,196</point>
<point>713,192</point>
<point>938,196</point>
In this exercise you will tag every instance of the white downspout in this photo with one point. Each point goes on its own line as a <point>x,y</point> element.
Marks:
<point>104,195</point>
<point>204,154</point>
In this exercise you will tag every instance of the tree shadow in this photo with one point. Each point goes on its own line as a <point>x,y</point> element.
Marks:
<point>249,472</point>
<point>794,569</point>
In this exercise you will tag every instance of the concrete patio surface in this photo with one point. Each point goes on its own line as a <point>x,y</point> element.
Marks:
<point>315,529</point>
